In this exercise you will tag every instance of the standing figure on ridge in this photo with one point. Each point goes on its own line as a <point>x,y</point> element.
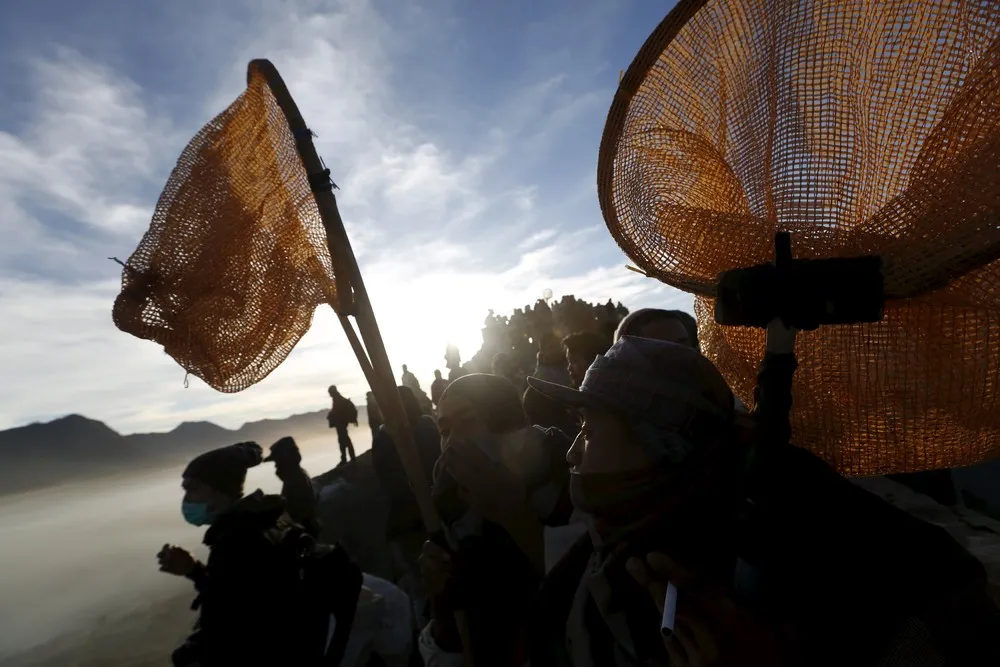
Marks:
<point>342,414</point>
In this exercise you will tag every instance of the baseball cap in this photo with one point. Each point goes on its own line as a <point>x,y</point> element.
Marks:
<point>286,449</point>
<point>656,381</point>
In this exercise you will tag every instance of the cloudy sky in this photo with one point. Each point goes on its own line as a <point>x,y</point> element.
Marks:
<point>463,136</point>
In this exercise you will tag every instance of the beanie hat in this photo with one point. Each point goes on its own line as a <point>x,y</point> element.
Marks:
<point>225,469</point>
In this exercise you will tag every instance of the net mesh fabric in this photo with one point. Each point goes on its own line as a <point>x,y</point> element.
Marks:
<point>235,260</point>
<point>861,128</point>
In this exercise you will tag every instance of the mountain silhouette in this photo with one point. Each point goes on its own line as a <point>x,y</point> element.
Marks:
<point>75,448</point>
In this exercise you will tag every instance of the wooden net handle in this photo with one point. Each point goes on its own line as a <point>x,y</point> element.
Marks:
<point>375,358</point>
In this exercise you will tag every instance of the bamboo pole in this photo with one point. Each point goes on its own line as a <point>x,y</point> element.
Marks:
<point>374,361</point>
<point>359,350</point>
<point>351,284</point>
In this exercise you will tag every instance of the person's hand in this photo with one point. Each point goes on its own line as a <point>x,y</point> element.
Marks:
<point>436,568</point>
<point>710,629</point>
<point>174,560</point>
<point>488,487</point>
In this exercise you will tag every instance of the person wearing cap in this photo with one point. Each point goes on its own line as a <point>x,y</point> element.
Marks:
<point>497,483</point>
<point>250,610</point>
<point>775,558</point>
<point>296,485</point>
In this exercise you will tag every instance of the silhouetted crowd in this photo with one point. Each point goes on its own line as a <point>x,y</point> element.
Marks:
<point>607,501</point>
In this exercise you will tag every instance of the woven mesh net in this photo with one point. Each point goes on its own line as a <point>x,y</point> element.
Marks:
<point>235,260</point>
<point>861,128</point>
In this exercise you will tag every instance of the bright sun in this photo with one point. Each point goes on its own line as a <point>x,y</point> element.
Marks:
<point>420,319</point>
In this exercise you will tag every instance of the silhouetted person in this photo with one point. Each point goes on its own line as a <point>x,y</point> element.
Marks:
<point>503,365</point>
<point>375,419</point>
<point>313,604</point>
<point>342,414</point>
<point>437,387</point>
<point>296,487</point>
<point>496,514</point>
<point>453,361</point>
<point>410,380</point>
<point>551,361</point>
<point>251,611</point>
<point>770,548</point>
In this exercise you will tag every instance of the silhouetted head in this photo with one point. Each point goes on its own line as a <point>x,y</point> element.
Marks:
<point>405,369</point>
<point>477,404</point>
<point>437,375</point>
<point>581,350</point>
<point>550,351</point>
<point>213,481</point>
<point>333,391</point>
<point>658,427</point>
<point>672,326</point>
<point>501,364</point>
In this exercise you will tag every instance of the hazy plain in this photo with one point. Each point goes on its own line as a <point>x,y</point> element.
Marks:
<point>79,584</point>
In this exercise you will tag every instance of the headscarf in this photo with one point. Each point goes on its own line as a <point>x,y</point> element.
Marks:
<point>634,322</point>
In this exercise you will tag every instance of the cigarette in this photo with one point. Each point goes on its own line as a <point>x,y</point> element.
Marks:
<point>669,611</point>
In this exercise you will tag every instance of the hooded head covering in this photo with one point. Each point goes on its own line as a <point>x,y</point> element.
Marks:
<point>225,469</point>
<point>659,386</point>
<point>634,322</point>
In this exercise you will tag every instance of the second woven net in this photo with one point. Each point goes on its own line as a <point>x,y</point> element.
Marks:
<point>861,128</point>
<point>235,260</point>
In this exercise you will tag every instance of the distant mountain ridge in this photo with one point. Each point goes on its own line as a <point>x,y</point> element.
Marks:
<point>75,447</point>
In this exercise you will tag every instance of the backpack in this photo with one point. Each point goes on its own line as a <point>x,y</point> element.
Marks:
<point>343,412</point>
<point>350,411</point>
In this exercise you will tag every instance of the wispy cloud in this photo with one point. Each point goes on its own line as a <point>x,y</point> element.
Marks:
<point>467,183</point>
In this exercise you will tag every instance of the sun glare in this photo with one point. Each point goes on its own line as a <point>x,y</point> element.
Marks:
<point>420,319</point>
